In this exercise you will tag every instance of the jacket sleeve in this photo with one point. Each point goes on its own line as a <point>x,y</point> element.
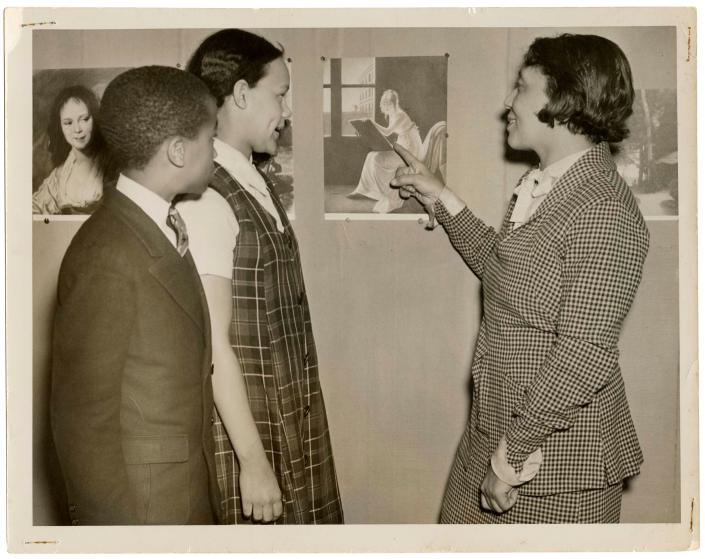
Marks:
<point>92,329</point>
<point>469,235</point>
<point>604,255</point>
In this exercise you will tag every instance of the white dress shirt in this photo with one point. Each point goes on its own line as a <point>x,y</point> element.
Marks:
<point>156,208</point>
<point>535,186</point>
<point>211,224</point>
<point>536,191</point>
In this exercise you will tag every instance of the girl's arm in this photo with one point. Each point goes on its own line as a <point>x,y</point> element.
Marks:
<point>260,493</point>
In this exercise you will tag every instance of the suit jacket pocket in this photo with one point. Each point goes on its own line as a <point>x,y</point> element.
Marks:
<point>158,469</point>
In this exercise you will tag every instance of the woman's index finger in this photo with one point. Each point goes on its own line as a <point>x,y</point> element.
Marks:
<point>406,155</point>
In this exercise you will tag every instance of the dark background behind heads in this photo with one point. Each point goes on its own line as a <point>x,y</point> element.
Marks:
<point>420,81</point>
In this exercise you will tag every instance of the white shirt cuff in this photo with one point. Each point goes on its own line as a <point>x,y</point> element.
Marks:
<point>505,471</point>
<point>453,204</point>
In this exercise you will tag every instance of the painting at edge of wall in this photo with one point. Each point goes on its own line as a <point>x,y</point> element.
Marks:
<point>67,171</point>
<point>648,158</point>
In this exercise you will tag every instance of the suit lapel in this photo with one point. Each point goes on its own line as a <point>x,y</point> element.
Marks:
<point>596,160</point>
<point>176,274</point>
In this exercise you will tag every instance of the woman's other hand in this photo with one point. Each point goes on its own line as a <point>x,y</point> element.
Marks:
<point>259,490</point>
<point>495,494</point>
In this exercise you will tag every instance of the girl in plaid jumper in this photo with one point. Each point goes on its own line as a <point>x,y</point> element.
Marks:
<point>273,449</point>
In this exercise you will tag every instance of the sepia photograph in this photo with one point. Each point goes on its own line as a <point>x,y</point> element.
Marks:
<point>455,294</point>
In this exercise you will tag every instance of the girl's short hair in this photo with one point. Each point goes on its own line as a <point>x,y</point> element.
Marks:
<point>58,146</point>
<point>231,55</point>
<point>588,85</point>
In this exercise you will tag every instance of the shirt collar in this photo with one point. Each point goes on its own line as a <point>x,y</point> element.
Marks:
<point>558,168</point>
<point>544,179</point>
<point>239,166</point>
<point>156,208</point>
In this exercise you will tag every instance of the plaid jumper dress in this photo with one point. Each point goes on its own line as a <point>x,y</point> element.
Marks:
<point>545,373</point>
<point>271,335</point>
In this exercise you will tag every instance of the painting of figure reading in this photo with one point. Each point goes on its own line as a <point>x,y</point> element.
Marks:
<point>373,107</point>
<point>381,164</point>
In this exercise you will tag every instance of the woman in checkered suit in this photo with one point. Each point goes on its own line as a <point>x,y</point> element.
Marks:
<point>550,436</point>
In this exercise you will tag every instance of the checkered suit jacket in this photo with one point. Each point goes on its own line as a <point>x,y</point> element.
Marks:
<point>555,292</point>
<point>272,337</point>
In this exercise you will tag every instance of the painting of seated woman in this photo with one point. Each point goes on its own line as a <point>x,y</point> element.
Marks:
<point>70,168</point>
<point>370,104</point>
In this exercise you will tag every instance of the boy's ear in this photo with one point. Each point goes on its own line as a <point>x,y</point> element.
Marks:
<point>240,91</point>
<point>176,151</point>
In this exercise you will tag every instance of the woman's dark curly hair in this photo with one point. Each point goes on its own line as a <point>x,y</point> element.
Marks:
<point>231,55</point>
<point>58,146</point>
<point>588,84</point>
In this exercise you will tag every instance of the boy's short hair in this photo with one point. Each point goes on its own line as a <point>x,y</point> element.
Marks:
<point>588,84</point>
<point>231,55</point>
<point>143,107</point>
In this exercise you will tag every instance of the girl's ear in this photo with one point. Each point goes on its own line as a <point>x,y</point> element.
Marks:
<point>240,93</point>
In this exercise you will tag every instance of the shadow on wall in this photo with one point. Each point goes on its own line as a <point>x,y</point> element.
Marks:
<point>49,495</point>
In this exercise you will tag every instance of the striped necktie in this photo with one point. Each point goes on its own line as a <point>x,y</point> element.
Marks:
<point>177,224</point>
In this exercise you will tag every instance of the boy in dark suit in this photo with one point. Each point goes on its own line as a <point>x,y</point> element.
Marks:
<point>131,395</point>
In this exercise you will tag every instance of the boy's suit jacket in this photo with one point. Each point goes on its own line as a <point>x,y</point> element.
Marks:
<point>132,401</point>
<point>555,293</point>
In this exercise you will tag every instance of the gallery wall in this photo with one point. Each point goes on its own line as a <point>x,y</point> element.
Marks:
<point>395,311</point>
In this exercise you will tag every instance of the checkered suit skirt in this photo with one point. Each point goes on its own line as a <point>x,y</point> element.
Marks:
<point>461,502</point>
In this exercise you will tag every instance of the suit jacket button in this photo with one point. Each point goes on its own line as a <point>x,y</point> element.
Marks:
<point>307,410</point>
<point>74,522</point>
<point>72,508</point>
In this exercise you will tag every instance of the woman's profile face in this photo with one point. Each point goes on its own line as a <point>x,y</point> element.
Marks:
<point>76,123</point>
<point>524,129</point>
